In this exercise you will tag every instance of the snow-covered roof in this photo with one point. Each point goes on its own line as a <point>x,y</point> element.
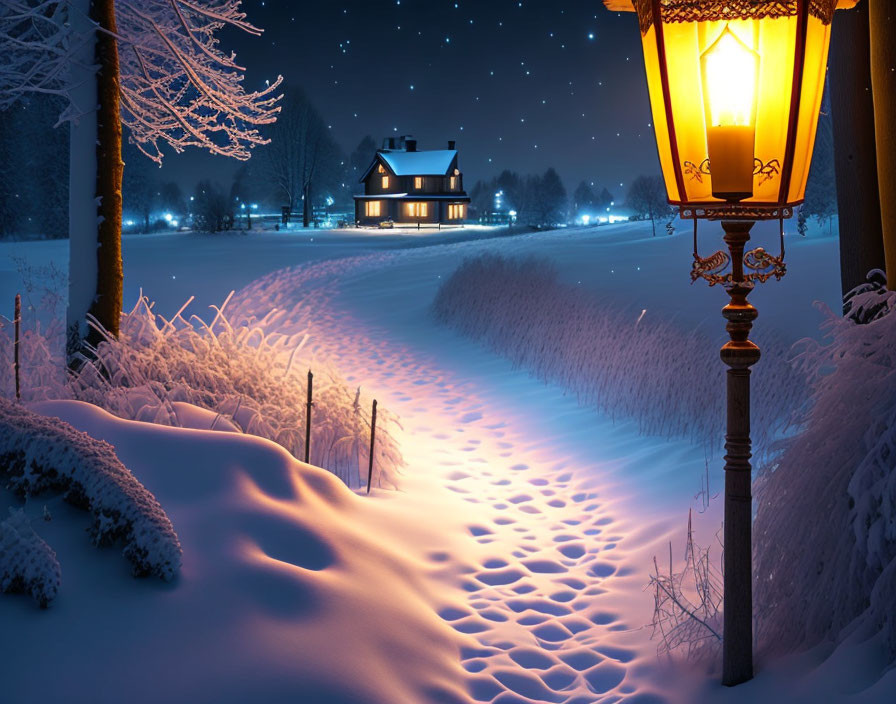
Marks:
<point>417,197</point>
<point>381,196</point>
<point>426,163</point>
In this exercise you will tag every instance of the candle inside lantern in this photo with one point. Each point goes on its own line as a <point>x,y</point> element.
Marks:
<point>729,91</point>
<point>731,160</point>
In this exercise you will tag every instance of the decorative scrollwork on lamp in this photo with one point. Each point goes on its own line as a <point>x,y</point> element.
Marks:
<point>766,171</point>
<point>696,172</point>
<point>712,268</point>
<point>764,266</point>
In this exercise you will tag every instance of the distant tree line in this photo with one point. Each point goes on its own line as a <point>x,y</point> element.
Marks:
<point>587,201</point>
<point>537,200</point>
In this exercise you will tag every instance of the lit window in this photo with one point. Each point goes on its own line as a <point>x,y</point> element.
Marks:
<point>456,212</point>
<point>417,210</point>
<point>381,169</point>
<point>385,182</point>
<point>372,208</point>
<point>453,183</point>
<point>418,182</point>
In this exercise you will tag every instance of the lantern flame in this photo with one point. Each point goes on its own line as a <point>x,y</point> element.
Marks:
<point>729,73</point>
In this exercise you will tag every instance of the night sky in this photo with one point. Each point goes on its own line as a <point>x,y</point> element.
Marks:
<point>520,85</point>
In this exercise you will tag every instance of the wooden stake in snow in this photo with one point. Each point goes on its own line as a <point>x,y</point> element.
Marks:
<point>17,321</point>
<point>372,443</point>
<point>308,417</point>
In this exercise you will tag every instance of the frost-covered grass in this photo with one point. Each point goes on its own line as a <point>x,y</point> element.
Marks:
<point>39,454</point>
<point>687,616</point>
<point>252,381</point>
<point>826,522</point>
<point>27,564</point>
<point>626,363</point>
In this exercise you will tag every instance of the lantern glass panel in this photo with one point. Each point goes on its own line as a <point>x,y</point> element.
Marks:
<point>682,113</point>
<point>818,39</point>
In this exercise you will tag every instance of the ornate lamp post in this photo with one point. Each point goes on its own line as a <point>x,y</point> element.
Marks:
<point>735,90</point>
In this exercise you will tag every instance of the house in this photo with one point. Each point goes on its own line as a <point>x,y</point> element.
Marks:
<point>412,187</point>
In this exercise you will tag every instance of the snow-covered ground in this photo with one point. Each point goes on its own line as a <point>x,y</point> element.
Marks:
<point>510,566</point>
<point>170,267</point>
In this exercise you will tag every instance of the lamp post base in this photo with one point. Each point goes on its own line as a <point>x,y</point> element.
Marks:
<point>739,354</point>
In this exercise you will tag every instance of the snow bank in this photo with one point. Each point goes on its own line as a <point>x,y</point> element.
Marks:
<point>38,454</point>
<point>27,564</point>
<point>292,587</point>
<point>826,523</point>
<point>626,364</point>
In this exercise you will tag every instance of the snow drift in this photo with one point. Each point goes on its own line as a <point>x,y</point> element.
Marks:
<point>40,455</point>
<point>292,588</point>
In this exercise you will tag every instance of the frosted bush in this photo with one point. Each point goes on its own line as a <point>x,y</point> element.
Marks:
<point>687,604</point>
<point>826,523</point>
<point>629,365</point>
<point>27,564</point>
<point>229,366</point>
<point>40,454</point>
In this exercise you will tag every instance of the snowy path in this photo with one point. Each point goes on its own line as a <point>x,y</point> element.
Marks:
<point>550,605</point>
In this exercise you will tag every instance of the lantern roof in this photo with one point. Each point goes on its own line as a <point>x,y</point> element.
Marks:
<point>714,10</point>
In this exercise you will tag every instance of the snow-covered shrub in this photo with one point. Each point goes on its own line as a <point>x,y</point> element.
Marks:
<point>870,300</point>
<point>27,564</point>
<point>258,382</point>
<point>826,521</point>
<point>625,363</point>
<point>40,454</point>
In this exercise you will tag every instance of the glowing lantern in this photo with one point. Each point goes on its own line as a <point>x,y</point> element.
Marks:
<point>735,88</point>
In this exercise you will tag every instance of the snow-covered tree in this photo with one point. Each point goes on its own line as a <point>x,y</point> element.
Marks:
<point>152,66</point>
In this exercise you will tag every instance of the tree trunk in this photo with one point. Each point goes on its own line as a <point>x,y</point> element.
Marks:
<point>883,80</point>
<point>306,206</point>
<point>95,172</point>
<point>855,163</point>
<point>82,182</point>
<point>106,306</point>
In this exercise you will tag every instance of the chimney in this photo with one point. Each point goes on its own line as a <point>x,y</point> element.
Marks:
<point>411,145</point>
<point>451,144</point>
<point>401,142</point>
<point>391,142</point>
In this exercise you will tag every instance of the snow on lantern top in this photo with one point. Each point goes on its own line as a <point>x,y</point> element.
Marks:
<point>735,87</point>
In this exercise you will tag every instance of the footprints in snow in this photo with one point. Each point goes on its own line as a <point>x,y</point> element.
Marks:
<point>532,604</point>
